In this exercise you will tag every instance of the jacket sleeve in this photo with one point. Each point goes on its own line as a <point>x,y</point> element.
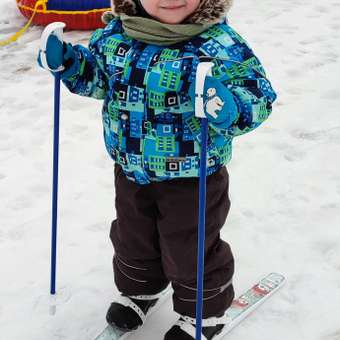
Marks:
<point>88,77</point>
<point>246,95</point>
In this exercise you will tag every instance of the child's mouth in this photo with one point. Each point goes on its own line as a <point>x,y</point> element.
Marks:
<point>172,7</point>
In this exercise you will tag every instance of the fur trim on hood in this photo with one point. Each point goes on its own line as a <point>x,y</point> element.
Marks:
<point>209,11</point>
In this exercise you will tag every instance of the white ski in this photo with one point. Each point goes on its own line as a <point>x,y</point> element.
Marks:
<point>251,300</point>
<point>238,311</point>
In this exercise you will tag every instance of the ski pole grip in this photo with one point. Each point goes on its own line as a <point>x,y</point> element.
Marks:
<point>56,28</point>
<point>203,70</point>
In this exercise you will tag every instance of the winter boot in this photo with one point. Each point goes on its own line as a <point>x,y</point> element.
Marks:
<point>185,329</point>
<point>127,313</point>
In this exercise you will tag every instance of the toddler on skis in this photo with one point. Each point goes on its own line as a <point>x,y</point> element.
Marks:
<point>143,66</point>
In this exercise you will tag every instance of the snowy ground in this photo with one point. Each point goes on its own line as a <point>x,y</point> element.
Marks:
<point>285,186</point>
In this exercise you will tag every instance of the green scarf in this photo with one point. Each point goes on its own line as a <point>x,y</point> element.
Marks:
<point>154,32</point>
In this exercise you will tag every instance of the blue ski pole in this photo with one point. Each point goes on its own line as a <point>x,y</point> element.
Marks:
<point>55,28</point>
<point>55,182</point>
<point>203,69</point>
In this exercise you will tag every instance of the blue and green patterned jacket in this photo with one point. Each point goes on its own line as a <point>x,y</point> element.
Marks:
<point>150,128</point>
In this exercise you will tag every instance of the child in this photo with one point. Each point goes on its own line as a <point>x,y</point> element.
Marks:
<point>143,65</point>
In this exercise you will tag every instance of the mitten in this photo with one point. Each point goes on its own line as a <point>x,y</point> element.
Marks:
<point>219,104</point>
<point>58,54</point>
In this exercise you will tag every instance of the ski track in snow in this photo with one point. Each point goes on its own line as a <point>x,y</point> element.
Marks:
<point>285,187</point>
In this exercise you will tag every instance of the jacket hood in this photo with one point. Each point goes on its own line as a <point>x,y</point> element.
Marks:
<point>209,11</point>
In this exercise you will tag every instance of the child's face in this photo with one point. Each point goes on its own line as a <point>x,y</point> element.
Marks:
<point>170,11</point>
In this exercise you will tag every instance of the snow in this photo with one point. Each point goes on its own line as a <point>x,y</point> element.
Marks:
<point>285,187</point>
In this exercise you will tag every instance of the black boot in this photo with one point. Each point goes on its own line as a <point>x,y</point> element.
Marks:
<point>125,317</point>
<point>177,333</point>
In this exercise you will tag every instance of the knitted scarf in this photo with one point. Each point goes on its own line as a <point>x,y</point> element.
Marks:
<point>154,32</point>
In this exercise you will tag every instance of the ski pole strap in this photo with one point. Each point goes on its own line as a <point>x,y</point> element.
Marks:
<point>203,70</point>
<point>55,28</point>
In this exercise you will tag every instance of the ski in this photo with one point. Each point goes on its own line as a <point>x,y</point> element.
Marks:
<point>112,333</point>
<point>238,311</point>
<point>251,300</point>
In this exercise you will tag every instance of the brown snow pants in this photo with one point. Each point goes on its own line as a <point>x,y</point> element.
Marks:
<point>155,241</point>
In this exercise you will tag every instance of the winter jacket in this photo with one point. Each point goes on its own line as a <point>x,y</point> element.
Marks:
<point>150,128</point>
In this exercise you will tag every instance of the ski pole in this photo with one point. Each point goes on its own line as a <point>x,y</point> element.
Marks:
<point>203,70</point>
<point>55,28</point>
